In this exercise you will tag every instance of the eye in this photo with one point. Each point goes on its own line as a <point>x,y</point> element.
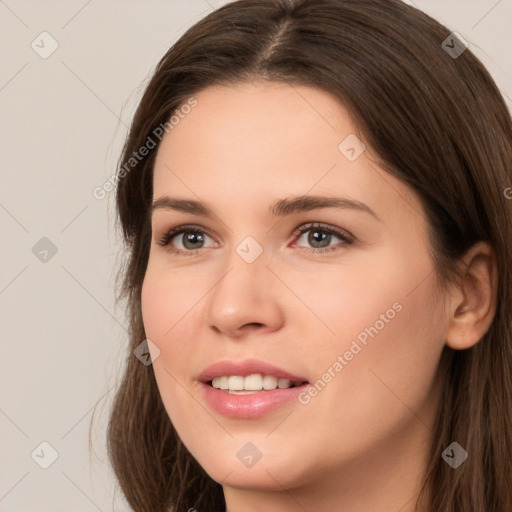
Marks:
<point>320,236</point>
<point>189,239</point>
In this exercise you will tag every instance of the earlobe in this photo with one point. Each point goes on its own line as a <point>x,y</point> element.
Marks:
<point>473,306</point>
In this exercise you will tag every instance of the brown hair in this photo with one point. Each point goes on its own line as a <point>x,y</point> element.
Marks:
<point>437,122</point>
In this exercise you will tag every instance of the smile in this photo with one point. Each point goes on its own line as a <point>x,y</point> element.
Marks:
<point>248,389</point>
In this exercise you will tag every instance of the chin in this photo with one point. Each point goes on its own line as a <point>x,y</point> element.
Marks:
<point>238,464</point>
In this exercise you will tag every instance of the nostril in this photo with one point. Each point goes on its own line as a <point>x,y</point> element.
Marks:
<point>252,325</point>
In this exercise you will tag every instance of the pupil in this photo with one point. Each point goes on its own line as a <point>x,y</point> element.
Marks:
<point>318,236</point>
<point>192,238</point>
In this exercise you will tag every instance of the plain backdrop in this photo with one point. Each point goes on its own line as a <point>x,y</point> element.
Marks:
<point>64,117</point>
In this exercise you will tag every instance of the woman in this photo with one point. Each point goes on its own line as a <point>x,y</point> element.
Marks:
<point>319,238</point>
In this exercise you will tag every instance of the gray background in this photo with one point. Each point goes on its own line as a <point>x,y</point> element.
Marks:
<point>64,119</point>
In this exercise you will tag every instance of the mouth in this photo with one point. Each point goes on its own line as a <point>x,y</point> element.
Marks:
<point>248,389</point>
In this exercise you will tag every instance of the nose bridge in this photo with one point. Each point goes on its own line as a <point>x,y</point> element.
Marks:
<point>246,265</point>
<point>244,294</point>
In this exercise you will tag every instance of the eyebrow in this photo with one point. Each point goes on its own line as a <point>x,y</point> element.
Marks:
<point>280,208</point>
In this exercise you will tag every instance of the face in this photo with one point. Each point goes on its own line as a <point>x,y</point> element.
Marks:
<point>337,299</point>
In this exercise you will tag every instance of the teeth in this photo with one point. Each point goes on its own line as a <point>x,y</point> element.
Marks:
<point>254,382</point>
<point>223,382</point>
<point>283,383</point>
<point>236,383</point>
<point>269,382</point>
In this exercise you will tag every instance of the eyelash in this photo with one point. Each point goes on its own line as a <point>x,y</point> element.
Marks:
<point>346,238</point>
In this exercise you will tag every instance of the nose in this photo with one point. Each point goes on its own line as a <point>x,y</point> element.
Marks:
<point>245,299</point>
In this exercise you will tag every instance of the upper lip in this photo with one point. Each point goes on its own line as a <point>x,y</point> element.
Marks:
<point>245,368</point>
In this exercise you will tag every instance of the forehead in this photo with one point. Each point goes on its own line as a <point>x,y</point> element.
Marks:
<point>253,127</point>
<point>266,140</point>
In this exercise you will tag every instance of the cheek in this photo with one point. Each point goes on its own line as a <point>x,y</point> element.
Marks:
<point>164,317</point>
<point>389,364</point>
<point>388,337</point>
<point>164,314</point>
<point>166,300</point>
<point>348,301</point>
<point>150,301</point>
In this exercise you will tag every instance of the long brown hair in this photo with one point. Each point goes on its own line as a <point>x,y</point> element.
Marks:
<point>437,121</point>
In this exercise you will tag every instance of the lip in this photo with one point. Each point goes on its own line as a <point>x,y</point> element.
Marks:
<point>254,405</point>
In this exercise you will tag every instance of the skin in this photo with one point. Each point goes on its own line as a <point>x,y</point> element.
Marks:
<point>361,443</point>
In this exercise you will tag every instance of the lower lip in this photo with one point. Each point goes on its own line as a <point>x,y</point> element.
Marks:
<point>249,406</point>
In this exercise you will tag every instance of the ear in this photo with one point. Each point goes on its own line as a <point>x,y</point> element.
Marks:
<point>472,305</point>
